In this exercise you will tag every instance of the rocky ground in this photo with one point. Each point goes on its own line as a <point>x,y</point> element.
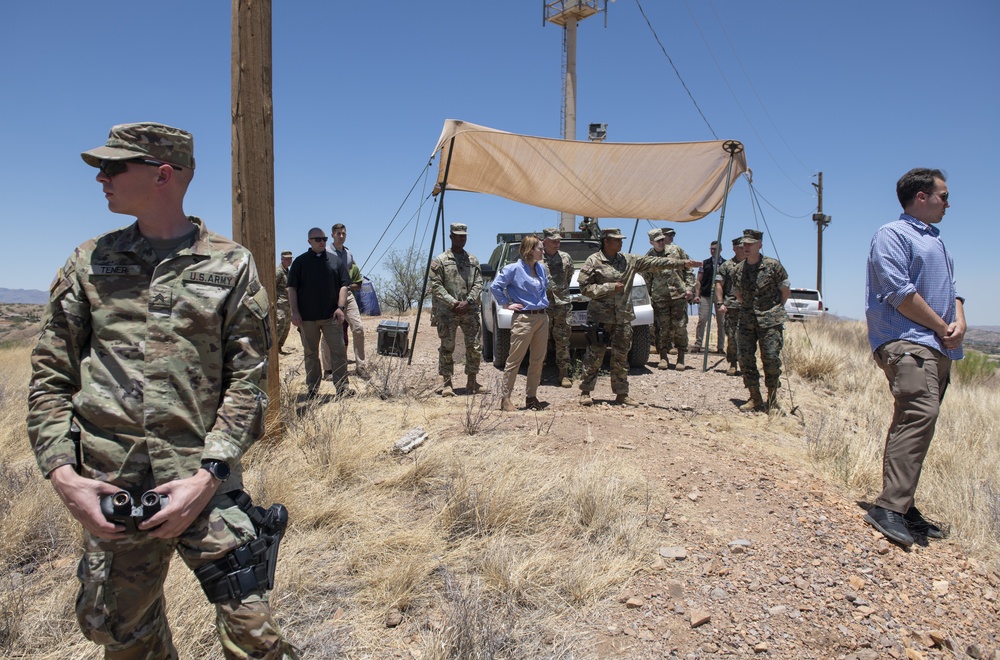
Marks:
<point>759,555</point>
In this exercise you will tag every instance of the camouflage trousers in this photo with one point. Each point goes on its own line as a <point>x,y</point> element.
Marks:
<point>447,326</point>
<point>770,340</point>
<point>671,320</point>
<point>559,330</point>
<point>620,335</point>
<point>732,334</point>
<point>121,605</point>
<point>282,322</point>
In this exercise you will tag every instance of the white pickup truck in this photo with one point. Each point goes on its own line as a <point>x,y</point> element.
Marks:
<point>579,245</point>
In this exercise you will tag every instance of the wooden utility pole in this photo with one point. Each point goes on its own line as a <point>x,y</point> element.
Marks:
<point>821,223</point>
<point>253,160</point>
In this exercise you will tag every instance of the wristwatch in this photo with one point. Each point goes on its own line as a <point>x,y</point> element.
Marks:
<point>218,469</point>
<point>342,307</point>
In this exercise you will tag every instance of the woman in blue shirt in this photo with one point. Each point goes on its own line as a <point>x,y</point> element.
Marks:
<point>520,287</point>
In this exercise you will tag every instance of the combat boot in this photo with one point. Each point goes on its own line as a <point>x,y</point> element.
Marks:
<point>446,389</point>
<point>772,400</point>
<point>731,371</point>
<point>664,363</point>
<point>585,399</point>
<point>564,380</point>
<point>626,400</point>
<point>755,402</point>
<point>472,387</point>
<point>506,405</point>
<point>680,366</point>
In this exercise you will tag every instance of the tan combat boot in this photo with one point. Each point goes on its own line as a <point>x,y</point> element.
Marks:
<point>506,405</point>
<point>680,366</point>
<point>731,371</point>
<point>772,400</point>
<point>472,387</point>
<point>446,389</point>
<point>585,399</point>
<point>755,402</point>
<point>664,362</point>
<point>626,400</point>
<point>564,380</point>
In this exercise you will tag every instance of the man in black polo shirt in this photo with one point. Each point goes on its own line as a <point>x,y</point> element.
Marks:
<point>317,295</point>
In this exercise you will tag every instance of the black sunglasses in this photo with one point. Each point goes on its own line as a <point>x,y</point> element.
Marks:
<point>110,168</point>
<point>318,239</point>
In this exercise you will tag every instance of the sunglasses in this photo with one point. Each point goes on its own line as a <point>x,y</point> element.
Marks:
<point>110,168</point>
<point>943,196</point>
<point>318,239</point>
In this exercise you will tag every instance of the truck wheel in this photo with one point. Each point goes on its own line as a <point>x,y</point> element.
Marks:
<point>501,347</point>
<point>487,344</point>
<point>638,353</point>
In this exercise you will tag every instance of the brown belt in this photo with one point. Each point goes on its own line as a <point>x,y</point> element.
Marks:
<point>529,311</point>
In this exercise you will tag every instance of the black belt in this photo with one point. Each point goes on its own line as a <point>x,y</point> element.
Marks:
<point>529,311</point>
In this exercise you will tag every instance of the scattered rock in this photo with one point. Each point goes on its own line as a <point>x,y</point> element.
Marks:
<point>761,647</point>
<point>940,587</point>
<point>776,610</point>
<point>634,602</point>
<point>393,618</point>
<point>677,553</point>
<point>700,617</point>
<point>857,583</point>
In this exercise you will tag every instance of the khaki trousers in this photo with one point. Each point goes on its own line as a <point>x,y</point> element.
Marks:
<point>353,317</point>
<point>528,331</point>
<point>332,334</point>
<point>918,377</point>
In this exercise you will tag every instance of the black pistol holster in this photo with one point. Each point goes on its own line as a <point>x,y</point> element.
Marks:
<point>597,335</point>
<point>249,569</point>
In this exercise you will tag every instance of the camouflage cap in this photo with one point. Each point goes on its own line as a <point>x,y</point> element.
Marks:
<point>145,140</point>
<point>552,232</point>
<point>669,231</point>
<point>286,253</point>
<point>752,236</point>
<point>611,232</point>
<point>655,234</point>
<point>459,229</point>
<point>737,241</point>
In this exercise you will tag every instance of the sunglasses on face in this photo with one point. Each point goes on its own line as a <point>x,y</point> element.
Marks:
<point>318,239</point>
<point>943,196</point>
<point>110,168</point>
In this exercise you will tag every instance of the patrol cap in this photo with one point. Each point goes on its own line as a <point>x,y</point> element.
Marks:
<point>611,232</point>
<point>459,229</point>
<point>669,231</point>
<point>752,236</point>
<point>553,233</point>
<point>286,253</point>
<point>655,234</point>
<point>737,241</point>
<point>145,140</point>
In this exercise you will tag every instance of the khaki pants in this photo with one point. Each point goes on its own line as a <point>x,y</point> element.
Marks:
<point>528,331</point>
<point>353,316</point>
<point>918,377</point>
<point>333,339</point>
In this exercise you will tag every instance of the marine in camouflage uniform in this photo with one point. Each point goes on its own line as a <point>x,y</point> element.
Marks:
<point>605,279</point>
<point>152,359</point>
<point>762,288</point>
<point>669,293</point>
<point>283,311</point>
<point>456,284</point>
<point>725,293</point>
<point>560,267</point>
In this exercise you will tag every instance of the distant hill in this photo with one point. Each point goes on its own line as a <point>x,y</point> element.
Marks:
<point>24,296</point>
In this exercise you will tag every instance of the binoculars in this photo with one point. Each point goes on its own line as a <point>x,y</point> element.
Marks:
<point>123,509</point>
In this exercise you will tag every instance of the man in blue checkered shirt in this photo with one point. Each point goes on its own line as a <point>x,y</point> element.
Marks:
<point>916,324</point>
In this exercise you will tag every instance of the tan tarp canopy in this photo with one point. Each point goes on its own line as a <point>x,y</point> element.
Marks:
<point>679,182</point>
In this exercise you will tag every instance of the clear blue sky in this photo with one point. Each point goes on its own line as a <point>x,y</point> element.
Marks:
<point>861,91</point>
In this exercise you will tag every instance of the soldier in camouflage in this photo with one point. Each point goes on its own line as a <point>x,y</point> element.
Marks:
<point>284,312</point>
<point>456,284</point>
<point>560,267</point>
<point>761,288</point>
<point>670,293</point>
<point>725,299</point>
<point>606,278</point>
<point>149,374</point>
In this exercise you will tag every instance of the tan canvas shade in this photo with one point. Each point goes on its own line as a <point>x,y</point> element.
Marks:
<point>679,182</point>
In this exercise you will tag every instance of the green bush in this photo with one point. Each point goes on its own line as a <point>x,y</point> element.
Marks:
<point>976,369</point>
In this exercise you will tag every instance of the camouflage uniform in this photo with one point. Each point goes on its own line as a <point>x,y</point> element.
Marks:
<point>666,291</point>
<point>560,267</point>
<point>727,278</point>
<point>284,311</point>
<point>613,311</point>
<point>762,318</point>
<point>160,364</point>
<point>454,278</point>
